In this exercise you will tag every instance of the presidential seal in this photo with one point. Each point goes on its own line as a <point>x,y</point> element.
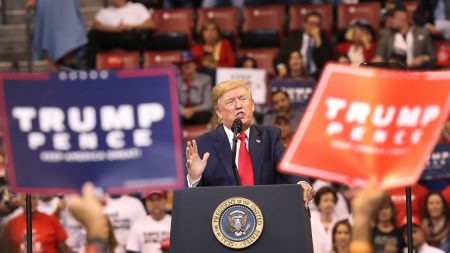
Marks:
<point>237,223</point>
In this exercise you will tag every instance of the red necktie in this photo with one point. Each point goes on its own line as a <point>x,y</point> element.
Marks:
<point>245,162</point>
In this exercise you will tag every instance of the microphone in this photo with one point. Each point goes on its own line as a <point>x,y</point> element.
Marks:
<point>236,127</point>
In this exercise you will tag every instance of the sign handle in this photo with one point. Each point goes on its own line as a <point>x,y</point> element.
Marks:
<point>29,224</point>
<point>409,229</point>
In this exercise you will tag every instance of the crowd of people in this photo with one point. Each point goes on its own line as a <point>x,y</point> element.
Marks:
<point>134,223</point>
<point>142,224</point>
<point>332,224</point>
<point>130,25</point>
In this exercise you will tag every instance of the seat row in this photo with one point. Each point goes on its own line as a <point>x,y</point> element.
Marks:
<point>187,22</point>
<point>263,56</point>
<point>132,60</point>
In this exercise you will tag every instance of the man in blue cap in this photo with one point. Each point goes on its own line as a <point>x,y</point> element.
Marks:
<point>194,92</point>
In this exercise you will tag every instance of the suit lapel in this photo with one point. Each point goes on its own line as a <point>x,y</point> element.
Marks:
<point>391,44</point>
<point>222,147</point>
<point>417,44</point>
<point>256,150</point>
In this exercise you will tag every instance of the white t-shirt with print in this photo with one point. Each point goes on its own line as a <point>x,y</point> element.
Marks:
<point>123,212</point>
<point>146,234</point>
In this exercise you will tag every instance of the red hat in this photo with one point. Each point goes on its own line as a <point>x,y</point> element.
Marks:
<point>155,193</point>
<point>185,57</point>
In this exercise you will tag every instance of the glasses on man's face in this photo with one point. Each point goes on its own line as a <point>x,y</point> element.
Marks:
<point>233,102</point>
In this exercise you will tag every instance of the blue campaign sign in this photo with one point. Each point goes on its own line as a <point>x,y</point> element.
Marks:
<point>120,130</point>
<point>299,92</point>
<point>438,165</point>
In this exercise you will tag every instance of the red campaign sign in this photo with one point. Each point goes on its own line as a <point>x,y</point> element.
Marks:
<point>367,122</point>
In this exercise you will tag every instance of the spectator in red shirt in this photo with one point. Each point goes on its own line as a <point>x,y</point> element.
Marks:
<point>213,51</point>
<point>48,235</point>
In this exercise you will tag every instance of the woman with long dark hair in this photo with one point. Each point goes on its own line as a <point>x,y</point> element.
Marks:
<point>436,221</point>
<point>387,238</point>
<point>342,233</point>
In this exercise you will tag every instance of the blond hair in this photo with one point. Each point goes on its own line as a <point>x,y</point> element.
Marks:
<point>226,86</point>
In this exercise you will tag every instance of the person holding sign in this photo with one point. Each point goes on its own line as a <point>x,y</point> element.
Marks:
<point>258,147</point>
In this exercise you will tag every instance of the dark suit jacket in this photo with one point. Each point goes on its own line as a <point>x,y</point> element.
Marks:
<point>424,12</point>
<point>422,44</point>
<point>294,42</point>
<point>265,151</point>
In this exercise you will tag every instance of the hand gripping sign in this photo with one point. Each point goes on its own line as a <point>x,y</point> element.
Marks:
<point>119,130</point>
<point>363,123</point>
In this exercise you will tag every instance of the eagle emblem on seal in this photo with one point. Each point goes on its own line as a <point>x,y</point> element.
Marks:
<point>237,222</point>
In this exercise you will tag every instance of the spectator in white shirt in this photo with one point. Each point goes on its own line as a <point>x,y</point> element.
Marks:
<point>121,25</point>
<point>148,232</point>
<point>123,212</point>
<point>322,222</point>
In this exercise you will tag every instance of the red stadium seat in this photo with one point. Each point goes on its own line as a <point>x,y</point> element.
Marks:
<point>192,132</point>
<point>368,11</point>
<point>297,14</point>
<point>263,26</point>
<point>442,48</point>
<point>410,8</point>
<point>160,58</point>
<point>446,193</point>
<point>264,57</point>
<point>227,18</point>
<point>418,194</point>
<point>118,60</point>
<point>174,29</point>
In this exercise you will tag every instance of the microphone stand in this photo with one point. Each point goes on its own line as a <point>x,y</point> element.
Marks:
<point>233,150</point>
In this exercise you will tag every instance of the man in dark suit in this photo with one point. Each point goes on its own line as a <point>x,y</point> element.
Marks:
<point>408,44</point>
<point>312,43</point>
<point>258,148</point>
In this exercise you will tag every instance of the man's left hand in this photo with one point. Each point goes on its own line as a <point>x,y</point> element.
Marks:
<point>308,193</point>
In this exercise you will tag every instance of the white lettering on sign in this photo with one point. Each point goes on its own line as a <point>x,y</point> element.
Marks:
<point>298,94</point>
<point>370,121</point>
<point>122,123</point>
<point>438,159</point>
